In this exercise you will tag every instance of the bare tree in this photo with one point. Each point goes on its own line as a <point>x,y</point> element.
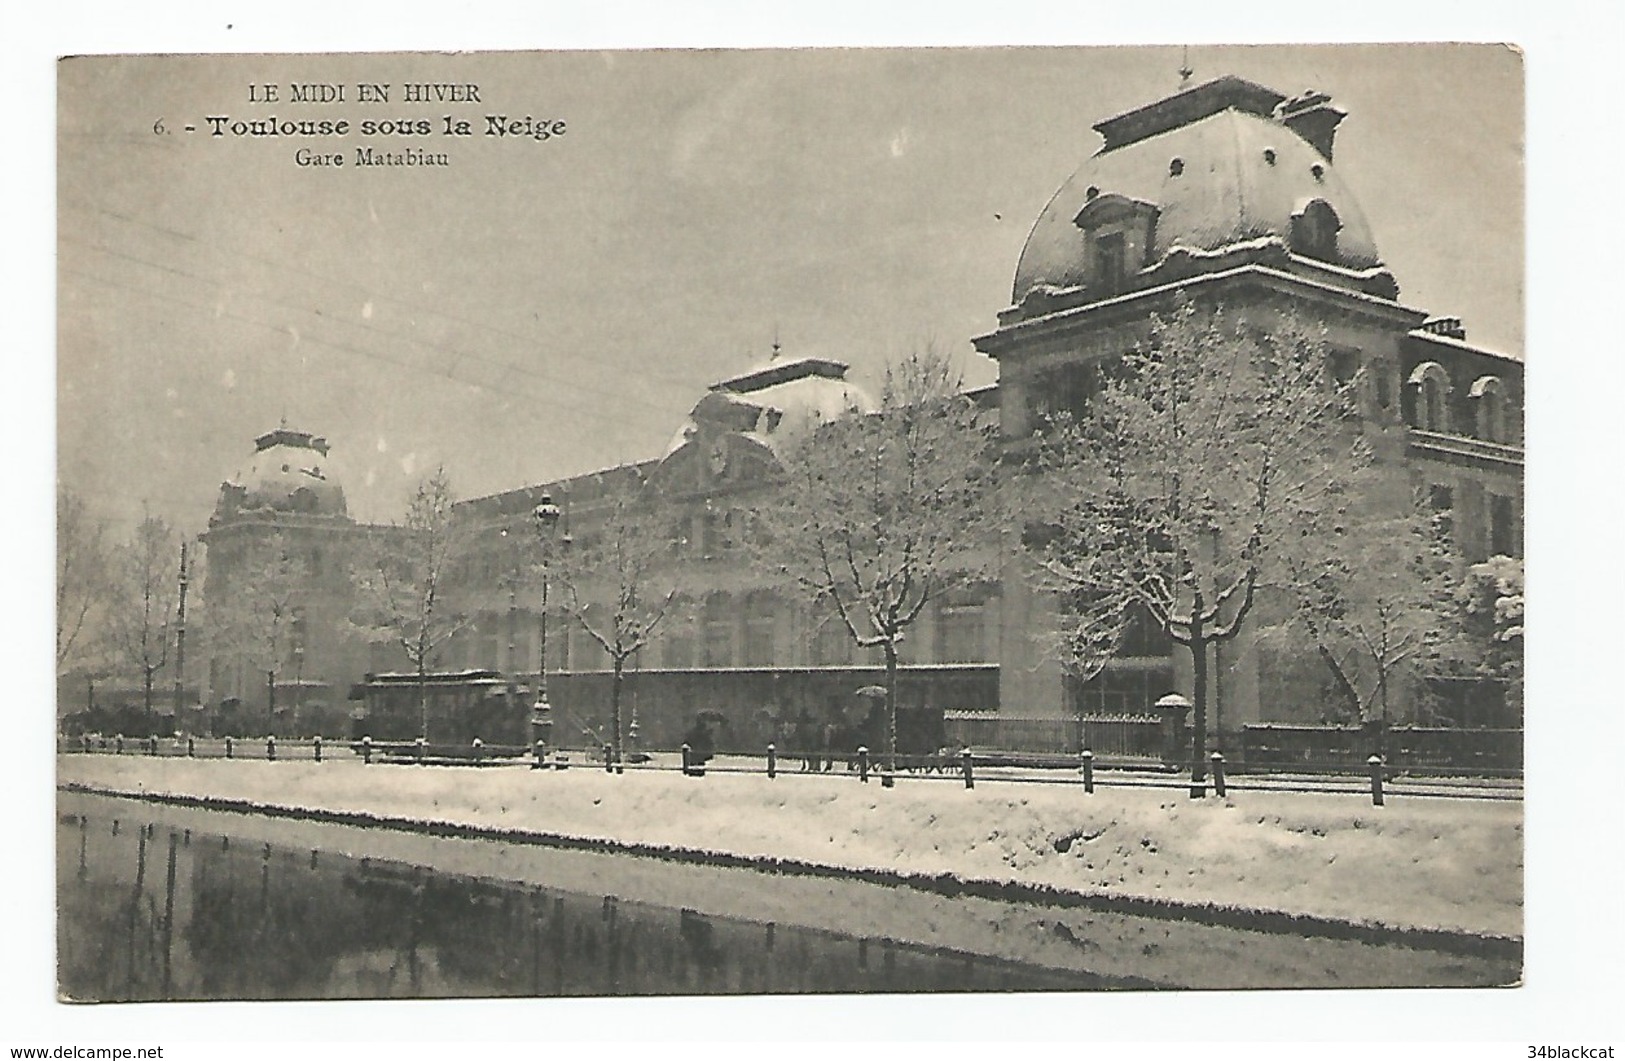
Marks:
<point>256,620</point>
<point>877,515</point>
<point>144,600</point>
<point>404,577</point>
<point>1201,447</point>
<point>83,576</point>
<point>620,578</point>
<point>1374,595</point>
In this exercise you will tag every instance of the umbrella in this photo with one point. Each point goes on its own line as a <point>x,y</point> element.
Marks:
<point>876,691</point>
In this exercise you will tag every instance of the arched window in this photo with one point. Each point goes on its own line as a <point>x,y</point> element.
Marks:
<point>1430,397</point>
<point>1314,231</point>
<point>1489,403</point>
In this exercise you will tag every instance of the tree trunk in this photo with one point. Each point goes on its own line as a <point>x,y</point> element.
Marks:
<point>423,701</point>
<point>146,691</point>
<point>1198,647</point>
<point>615,708</point>
<point>270,701</point>
<point>1382,693</point>
<point>891,707</point>
<point>1344,686</point>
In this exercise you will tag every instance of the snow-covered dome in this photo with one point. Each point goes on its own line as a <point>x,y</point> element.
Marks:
<point>1223,165</point>
<point>774,395</point>
<point>287,473</point>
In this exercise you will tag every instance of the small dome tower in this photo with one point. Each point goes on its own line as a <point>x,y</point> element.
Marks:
<point>288,474</point>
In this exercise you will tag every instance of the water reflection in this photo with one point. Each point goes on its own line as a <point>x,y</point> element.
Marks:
<point>154,912</point>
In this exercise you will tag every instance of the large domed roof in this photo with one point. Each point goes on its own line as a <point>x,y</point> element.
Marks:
<point>1221,164</point>
<point>287,473</point>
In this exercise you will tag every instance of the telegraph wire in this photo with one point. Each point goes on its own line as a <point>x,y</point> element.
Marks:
<point>625,364</point>
<point>280,329</point>
<point>386,334</point>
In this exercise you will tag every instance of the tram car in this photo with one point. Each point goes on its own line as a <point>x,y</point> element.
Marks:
<point>449,709</point>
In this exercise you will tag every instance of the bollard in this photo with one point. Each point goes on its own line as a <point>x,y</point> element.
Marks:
<point>316,743</point>
<point>863,765</point>
<point>688,754</point>
<point>1217,759</point>
<point>541,756</point>
<point>152,745</point>
<point>772,762</point>
<point>1089,771</point>
<point>191,748</point>
<point>118,744</point>
<point>479,749</point>
<point>1375,762</point>
<point>270,748</point>
<point>609,758</point>
<point>366,750</point>
<point>228,747</point>
<point>421,747</point>
<point>964,764</point>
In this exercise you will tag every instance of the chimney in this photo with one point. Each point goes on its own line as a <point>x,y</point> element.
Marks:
<point>1449,327</point>
<point>1312,116</point>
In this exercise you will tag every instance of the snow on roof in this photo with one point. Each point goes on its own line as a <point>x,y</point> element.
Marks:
<point>1242,176</point>
<point>1462,344</point>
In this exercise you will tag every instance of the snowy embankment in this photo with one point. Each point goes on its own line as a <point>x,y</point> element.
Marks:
<point>1449,864</point>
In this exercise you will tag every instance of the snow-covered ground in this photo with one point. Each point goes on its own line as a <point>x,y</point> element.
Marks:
<point>1422,862</point>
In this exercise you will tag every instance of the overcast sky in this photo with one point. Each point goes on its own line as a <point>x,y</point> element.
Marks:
<point>540,309</point>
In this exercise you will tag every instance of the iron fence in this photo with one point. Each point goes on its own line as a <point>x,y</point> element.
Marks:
<point>1373,775</point>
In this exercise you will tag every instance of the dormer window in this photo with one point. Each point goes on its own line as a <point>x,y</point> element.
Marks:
<point>1118,232</point>
<point>1429,388</point>
<point>1314,231</point>
<point>1109,262</point>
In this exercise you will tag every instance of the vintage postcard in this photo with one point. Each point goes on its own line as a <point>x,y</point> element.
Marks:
<point>785,522</point>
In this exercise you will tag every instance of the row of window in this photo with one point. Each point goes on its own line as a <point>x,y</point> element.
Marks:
<point>1109,220</point>
<point>717,640</point>
<point>1495,530</point>
<point>1433,404</point>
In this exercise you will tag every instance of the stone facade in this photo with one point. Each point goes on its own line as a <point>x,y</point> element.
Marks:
<point>1224,193</point>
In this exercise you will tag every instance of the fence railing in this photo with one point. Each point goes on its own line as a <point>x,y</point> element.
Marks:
<point>1122,736</point>
<point>966,766</point>
<point>1490,751</point>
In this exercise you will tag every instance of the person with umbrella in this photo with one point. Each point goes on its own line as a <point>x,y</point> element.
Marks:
<point>875,698</point>
<point>700,741</point>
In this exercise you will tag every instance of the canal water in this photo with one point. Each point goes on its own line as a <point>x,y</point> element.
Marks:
<point>159,903</point>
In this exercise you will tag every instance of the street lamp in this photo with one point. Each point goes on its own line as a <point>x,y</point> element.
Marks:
<point>546,517</point>
<point>298,682</point>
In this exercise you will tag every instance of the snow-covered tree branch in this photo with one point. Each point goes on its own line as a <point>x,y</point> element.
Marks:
<point>878,515</point>
<point>1202,446</point>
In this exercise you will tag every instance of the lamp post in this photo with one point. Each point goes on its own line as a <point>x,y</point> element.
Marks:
<point>298,682</point>
<point>546,516</point>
